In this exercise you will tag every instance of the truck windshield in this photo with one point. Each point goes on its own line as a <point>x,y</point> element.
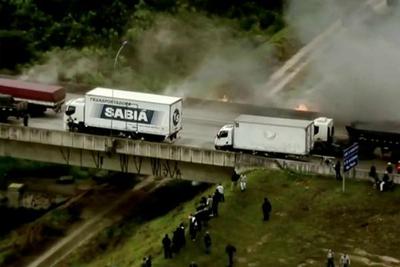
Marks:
<point>70,110</point>
<point>316,130</point>
<point>222,134</point>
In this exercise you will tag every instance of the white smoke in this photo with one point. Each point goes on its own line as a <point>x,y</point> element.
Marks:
<point>357,75</point>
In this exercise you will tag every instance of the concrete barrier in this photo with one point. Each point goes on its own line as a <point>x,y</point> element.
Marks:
<point>144,157</point>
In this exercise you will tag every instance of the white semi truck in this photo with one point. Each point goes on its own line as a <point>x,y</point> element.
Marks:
<point>274,135</point>
<point>126,113</point>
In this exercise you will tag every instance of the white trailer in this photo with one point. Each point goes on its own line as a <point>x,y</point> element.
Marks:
<point>273,135</point>
<point>127,113</point>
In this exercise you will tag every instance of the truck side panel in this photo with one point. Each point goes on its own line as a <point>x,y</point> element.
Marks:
<point>48,95</point>
<point>127,115</point>
<point>272,138</point>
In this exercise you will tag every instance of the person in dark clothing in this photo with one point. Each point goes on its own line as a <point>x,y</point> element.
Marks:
<point>387,182</point>
<point>148,261</point>
<point>182,235</point>
<point>176,245</point>
<point>235,178</point>
<point>193,228</point>
<point>202,217</point>
<point>230,250</point>
<point>193,264</point>
<point>337,170</point>
<point>215,204</point>
<point>199,219</point>
<point>266,208</point>
<point>389,168</point>
<point>385,176</point>
<point>374,175</point>
<point>207,242</point>
<point>203,201</point>
<point>372,172</point>
<point>144,262</point>
<point>166,242</point>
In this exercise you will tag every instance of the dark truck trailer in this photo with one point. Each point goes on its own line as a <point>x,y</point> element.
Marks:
<point>39,96</point>
<point>372,135</point>
<point>11,108</point>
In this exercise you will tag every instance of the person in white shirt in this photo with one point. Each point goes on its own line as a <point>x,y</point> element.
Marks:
<point>330,259</point>
<point>220,189</point>
<point>345,260</point>
<point>243,182</point>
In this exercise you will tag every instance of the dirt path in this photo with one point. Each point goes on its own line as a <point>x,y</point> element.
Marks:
<point>88,228</point>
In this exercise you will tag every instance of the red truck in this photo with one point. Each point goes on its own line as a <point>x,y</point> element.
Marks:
<point>39,96</point>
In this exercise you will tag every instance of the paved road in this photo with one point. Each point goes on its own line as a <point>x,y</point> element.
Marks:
<point>201,119</point>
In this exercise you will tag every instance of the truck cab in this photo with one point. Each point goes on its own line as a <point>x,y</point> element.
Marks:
<point>74,114</point>
<point>224,138</point>
<point>11,108</point>
<point>323,130</point>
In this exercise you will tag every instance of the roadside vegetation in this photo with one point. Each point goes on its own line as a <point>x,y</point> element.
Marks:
<point>29,27</point>
<point>35,235</point>
<point>171,44</point>
<point>309,215</point>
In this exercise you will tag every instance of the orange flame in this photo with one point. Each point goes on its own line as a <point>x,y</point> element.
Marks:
<point>302,107</point>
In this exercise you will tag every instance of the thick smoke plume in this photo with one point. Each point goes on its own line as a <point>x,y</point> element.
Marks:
<point>185,55</point>
<point>356,76</point>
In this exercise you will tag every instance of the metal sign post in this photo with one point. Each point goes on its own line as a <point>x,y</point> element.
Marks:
<point>350,160</point>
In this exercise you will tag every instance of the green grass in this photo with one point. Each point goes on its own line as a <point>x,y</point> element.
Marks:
<point>309,215</point>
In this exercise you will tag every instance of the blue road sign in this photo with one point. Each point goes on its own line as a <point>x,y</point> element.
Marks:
<point>350,157</point>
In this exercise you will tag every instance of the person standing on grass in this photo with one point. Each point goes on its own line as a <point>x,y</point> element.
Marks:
<point>230,250</point>
<point>389,168</point>
<point>220,189</point>
<point>337,170</point>
<point>148,261</point>
<point>182,238</point>
<point>166,242</point>
<point>209,205</point>
<point>330,259</point>
<point>176,244</point>
<point>235,177</point>
<point>207,242</point>
<point>215,203</point>
<point>144,262</point>
<point>345,260</point>
<point>266,208</point>
<point>193,226</point>
<point>243,182</point>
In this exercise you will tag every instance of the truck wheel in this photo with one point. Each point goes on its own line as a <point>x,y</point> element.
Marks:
<point>72,128</point>
<point>172,137</point>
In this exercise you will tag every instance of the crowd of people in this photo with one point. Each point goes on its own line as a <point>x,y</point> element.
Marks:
<point>208,206</point>
<point>383,183</point>
<point>386,183</point>
<point>207,209</point>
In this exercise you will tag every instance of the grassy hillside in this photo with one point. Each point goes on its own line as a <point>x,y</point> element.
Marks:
<point>310,215</point>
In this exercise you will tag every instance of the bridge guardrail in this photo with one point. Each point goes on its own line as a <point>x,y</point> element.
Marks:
<point>117,145</point>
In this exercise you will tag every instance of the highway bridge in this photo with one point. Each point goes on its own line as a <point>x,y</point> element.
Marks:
<point>192,156</point>
<point>144,158</point>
